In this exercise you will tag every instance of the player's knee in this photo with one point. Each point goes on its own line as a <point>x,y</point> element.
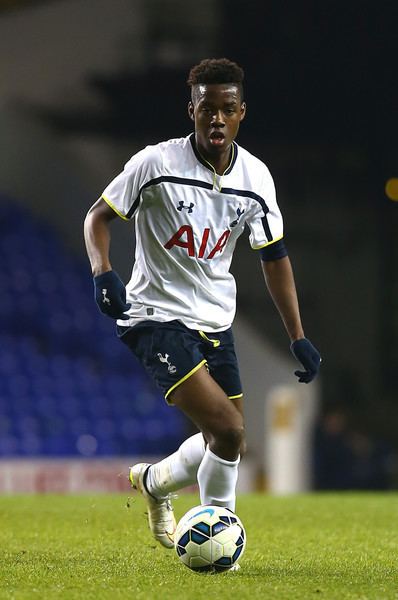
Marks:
<point>226,441</point>
<point>232,437</point>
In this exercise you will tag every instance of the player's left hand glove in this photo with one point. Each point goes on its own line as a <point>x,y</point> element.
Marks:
<point>309,357</point>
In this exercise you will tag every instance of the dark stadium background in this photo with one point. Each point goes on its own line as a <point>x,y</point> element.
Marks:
<point>321,88</point>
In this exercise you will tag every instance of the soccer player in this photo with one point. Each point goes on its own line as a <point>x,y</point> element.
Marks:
<point>191,198</point>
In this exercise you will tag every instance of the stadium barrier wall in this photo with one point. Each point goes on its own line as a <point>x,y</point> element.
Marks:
<point>53,476</point>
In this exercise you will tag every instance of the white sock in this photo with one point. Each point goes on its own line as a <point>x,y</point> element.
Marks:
<point>177,470</point>
<point>217,479</point>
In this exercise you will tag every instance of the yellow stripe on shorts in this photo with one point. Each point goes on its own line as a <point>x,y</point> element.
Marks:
<point>187,376</point>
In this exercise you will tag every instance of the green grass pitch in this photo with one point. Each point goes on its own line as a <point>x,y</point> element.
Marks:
<point>324,546</point>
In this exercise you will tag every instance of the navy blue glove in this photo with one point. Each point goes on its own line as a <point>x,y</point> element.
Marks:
<point>309,357</point>
<point>110,295</point>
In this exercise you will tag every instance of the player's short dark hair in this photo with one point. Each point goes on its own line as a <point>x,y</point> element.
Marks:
<point>217,70</point>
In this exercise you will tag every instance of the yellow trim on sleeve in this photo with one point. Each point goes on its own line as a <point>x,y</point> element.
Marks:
<point>109,203</point>
<point>268,243</point>
<point>235,397</point>
<point>187,376</point>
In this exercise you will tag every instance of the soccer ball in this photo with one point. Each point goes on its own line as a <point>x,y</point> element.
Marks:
<point>209,538</point>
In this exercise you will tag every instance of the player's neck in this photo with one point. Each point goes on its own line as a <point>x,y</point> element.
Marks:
<point>218,161</point>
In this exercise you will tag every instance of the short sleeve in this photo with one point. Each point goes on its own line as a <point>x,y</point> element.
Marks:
<point>265,222</point>
<point>124,192</point>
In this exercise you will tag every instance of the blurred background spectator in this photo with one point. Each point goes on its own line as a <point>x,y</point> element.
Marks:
<point>345,458</point>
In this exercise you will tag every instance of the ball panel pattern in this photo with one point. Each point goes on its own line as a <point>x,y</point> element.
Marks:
<point>197,537</point>
<point>203,528</point>
<point>218,527</point>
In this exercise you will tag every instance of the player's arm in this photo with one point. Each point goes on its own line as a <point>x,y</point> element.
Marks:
<point>97,236</point>
<point>278,274</point>
<point>279,278</point>
<point>109,290</point>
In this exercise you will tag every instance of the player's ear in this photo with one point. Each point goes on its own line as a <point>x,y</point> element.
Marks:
<point>242,111</point>
<point>191,111</point>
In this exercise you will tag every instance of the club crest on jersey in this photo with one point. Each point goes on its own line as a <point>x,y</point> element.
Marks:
<point>165,359</point>
<point>184,238</point>
<point>181,206</point>
<point>239,213</point>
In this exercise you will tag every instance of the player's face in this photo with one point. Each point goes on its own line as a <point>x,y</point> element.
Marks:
<point>217,111</point>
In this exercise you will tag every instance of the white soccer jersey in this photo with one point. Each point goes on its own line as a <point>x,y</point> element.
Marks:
<point>187,221</point>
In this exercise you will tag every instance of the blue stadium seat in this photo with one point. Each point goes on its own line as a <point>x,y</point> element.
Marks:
<point>68,387</point>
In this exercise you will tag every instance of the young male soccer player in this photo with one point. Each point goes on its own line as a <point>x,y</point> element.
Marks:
<point>191,199</point>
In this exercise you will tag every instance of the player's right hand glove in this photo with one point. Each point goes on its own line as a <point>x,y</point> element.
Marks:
<point>309,357</point>
<point>110,295</point>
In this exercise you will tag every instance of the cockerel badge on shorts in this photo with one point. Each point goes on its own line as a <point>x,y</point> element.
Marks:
<point>165,359</point>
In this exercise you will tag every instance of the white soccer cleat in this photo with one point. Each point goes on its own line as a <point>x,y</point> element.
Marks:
<point>161,518</point>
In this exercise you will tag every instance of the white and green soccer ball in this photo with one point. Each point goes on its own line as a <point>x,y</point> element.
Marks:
<point>210,538</point>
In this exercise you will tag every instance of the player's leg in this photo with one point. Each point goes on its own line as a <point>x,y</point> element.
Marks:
<point>221,422</point>
<point>238,403</point>
<point>207,405</point>
<point>209,408</point>
<point>224,369</point>
<point>179,470</point>
<point>155,346</point>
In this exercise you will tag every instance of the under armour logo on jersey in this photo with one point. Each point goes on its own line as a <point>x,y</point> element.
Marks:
<point>181,206</point>
<point>165,359</point>
<point>239,212</point>
<point>105,299</point>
